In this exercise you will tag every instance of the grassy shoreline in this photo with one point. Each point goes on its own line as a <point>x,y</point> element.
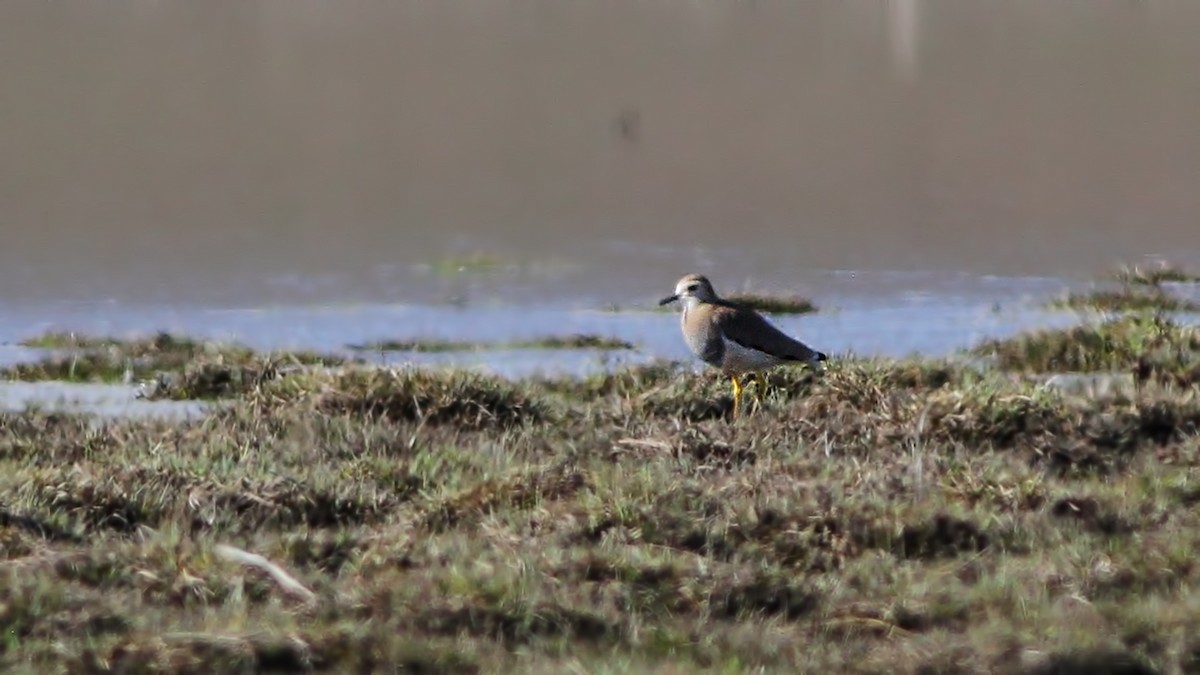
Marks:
<point>916,515</point>
<point>881,516</point>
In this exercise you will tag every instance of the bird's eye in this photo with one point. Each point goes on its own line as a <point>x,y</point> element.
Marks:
<point>693,287</point>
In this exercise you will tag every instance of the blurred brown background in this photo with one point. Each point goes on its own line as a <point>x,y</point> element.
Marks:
<point>202,149</point>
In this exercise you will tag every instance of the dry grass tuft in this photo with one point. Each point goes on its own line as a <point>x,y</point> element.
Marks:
<point>463,399</point>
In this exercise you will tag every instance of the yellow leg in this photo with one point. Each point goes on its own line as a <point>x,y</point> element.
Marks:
<point>737,394</point>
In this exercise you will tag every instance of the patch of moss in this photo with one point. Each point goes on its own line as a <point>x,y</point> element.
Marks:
<point>457,398</point>
<point>1155,275</point>
<point>83,358</point>
<point>576,341</point>
<point>1117,344</point>
<point>86,367</point>
<point>1126,299</point>
<point>160,344</point>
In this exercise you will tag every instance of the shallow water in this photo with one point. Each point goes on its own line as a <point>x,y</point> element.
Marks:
<point>929,324</point>
<point>100,400</point>
<point>910,329</point>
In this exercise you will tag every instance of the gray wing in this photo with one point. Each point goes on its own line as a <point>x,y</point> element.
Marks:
<point>749,329</point>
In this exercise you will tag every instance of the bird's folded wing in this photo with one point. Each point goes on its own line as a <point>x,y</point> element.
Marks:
<point>749,329</point>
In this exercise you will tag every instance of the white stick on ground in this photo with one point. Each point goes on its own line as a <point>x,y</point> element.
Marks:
<point>286,581</point>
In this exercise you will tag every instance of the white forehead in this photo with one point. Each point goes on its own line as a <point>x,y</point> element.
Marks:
<point>685,282</point>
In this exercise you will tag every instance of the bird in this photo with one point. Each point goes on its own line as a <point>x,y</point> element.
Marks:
<point>733,338</point>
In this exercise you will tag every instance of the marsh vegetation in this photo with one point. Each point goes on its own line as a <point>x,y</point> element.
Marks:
<point>1126,299</point>
<point>922,515</point>
<point>1154,288</point>
<point>212,368</point>
<point>573,341</point>
<point>1156,275</point>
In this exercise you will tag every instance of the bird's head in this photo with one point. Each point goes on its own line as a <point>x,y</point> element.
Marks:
<point>690,290</point>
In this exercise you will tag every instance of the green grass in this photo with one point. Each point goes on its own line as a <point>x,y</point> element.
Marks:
<point>160,344</point>
<point>1120,344</point>
<point>881,516</point>
<point>185,367</point>
<point>577,341</point>
<point>1141,290</point>
<point>1126,299</point>
<point>1155,275</point>
<point>69,340</point>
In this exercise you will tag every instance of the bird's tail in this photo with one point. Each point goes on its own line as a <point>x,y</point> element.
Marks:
<point>816,361</point>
